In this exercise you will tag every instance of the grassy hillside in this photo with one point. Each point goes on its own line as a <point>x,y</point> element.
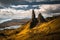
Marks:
<point>44,31</point>
<point>49,30</point>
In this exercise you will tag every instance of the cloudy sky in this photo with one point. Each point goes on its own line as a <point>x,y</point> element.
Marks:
<point>25,11</point>
<point>9,9</point>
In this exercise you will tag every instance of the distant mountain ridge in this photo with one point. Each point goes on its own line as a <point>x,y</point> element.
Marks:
<point>13,22</point>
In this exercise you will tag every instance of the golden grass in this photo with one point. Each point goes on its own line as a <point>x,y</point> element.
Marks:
<point>45,31</point>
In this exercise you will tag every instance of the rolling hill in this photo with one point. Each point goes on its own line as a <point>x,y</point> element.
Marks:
<point>42,30</point>
<point>13,22</point>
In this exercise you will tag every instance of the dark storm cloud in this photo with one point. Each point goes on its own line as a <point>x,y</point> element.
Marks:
<point>1,7</point>
<point>55,0</point>
<point>17,2</point>
<point>7,1</point>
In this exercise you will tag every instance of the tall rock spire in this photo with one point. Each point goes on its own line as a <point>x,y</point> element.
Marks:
<point>41,18</point>
<point>33,14</point>
<point>34,20</point>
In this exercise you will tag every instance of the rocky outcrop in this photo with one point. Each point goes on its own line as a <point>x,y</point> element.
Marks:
<point>41,18</point>
<point>34,20</point>
<point>33,15</point>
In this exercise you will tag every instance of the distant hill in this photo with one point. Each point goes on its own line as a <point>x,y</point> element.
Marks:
<point>13,22</point>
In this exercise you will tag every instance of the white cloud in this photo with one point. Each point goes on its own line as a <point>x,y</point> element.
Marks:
<point>48,8</point>
<point>12,13</point>
<point>21,6</point>
<point>20,14</point>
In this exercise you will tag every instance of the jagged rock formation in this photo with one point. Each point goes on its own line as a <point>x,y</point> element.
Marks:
<point>41,18</point>
<point>34,20</point>
<point>33,15</point>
